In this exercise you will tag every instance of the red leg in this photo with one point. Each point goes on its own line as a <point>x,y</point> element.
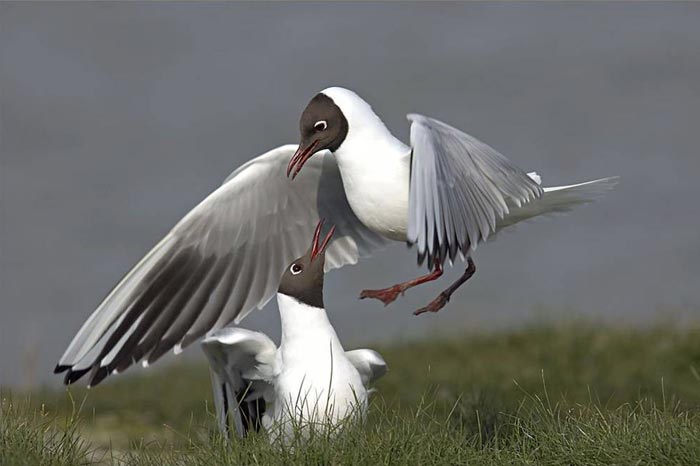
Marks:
<point>442,299</point>
<point>388,295</point>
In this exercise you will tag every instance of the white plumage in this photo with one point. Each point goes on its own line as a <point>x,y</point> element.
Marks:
<point>310,380</point>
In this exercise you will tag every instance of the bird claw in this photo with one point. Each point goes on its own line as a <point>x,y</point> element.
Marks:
<point>386,295</point>
<point>434,305</point>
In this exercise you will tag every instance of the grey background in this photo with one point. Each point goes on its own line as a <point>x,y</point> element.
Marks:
<point>117,118</point>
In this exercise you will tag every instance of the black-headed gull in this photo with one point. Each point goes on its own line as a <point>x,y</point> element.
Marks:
<point>225,257</point>
<point>310,380</point>
<point>446,193</point>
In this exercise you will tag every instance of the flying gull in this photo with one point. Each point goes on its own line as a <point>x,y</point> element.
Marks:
<point>445,194</point>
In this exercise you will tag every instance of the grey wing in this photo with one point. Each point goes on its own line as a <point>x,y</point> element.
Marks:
<point>460,188</point>
<point>221,261</point>
<point>242,364</point>
<point>368,363</point>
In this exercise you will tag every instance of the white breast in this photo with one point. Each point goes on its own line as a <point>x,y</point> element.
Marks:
<point>317,382</point>
<point>376,179</point>
<point>321,389</point>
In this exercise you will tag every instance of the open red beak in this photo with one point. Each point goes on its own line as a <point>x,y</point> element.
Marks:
<point>300,157</point>
<point>315,248</point>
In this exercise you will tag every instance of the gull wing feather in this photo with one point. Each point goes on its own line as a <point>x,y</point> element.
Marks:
<point>242,364</point>
<point>219,263</point>
<point>460,188</point>
<point>368,363</point>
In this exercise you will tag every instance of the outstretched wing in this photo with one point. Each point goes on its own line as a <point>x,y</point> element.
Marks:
<point>242,363</point>
<point>221,261</point>
<point>368,363</point>
<point>460,188</point>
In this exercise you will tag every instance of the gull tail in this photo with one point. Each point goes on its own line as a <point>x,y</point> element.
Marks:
<point>559,199</point>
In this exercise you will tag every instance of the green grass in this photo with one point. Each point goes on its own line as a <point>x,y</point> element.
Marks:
<point>540,396</point>
<point>30,437</point>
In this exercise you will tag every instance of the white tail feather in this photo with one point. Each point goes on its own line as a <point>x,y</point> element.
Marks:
<point>559,199</point>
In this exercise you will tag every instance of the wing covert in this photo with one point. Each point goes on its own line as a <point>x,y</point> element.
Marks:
<point>460,188</point>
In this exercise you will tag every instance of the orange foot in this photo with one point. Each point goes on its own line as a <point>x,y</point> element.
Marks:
<point>434,305</point>
<point>386,295</point>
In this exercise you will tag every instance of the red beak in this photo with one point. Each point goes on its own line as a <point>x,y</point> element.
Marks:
<point>315,248</point>
<point>299,159</point>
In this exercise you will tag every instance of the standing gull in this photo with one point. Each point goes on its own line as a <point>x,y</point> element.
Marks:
<point>224,258</point>
<point>445,194</point>
<point>310,380</point>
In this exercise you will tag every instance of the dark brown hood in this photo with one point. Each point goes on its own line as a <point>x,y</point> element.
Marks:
<point>303,278</point>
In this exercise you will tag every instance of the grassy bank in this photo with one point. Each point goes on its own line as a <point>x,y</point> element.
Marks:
<point>540,396</point>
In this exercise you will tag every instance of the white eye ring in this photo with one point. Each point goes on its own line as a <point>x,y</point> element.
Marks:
<point>320,125</point>
<point>296,269</point>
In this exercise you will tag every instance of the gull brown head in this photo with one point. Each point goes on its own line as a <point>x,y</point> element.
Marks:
<point>303,279</point>
<point>322,126</point>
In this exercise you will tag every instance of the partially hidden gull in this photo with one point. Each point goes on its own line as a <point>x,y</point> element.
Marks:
<point>309,381</point>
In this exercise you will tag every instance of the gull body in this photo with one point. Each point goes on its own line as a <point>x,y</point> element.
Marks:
<point>309,381</point>
<point>316,376</point>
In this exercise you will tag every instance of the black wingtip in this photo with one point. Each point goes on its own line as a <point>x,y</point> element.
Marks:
<point>72,376</point>
<point>98,375</point>
<point>60,368</point>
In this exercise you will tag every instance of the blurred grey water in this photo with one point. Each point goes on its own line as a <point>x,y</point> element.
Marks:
<point>117,118</point>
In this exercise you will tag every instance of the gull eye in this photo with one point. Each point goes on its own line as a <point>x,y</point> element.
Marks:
<point>320,126</point>
<point>296,269</point>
